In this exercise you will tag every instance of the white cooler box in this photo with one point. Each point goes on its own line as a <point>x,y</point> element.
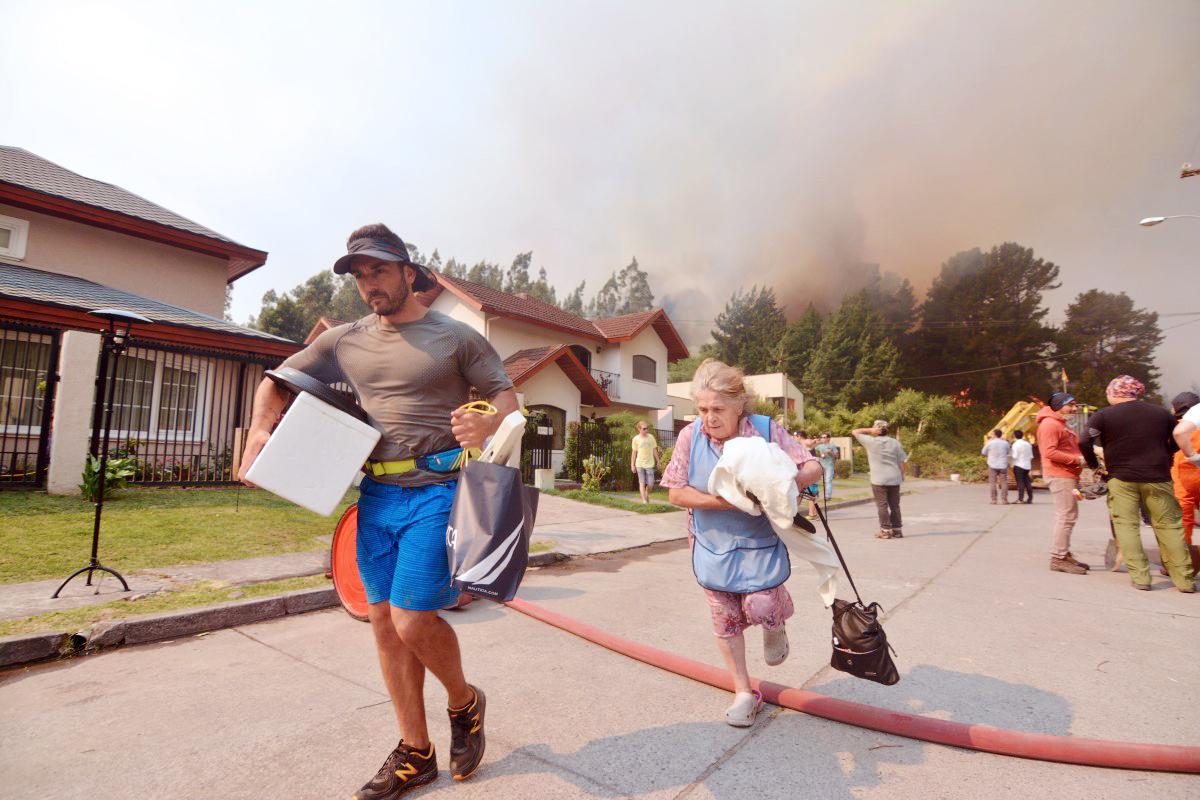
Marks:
<point>313,455</point>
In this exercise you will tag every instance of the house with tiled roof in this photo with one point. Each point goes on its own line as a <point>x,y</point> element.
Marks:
<point>70,244</point>
<point>563,365</point>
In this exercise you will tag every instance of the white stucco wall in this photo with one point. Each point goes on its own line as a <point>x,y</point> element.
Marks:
<point>508,336</point>
<point>455,308</point>
<point>551,387</point>
<point>170,274</point>
<point>642,393</point>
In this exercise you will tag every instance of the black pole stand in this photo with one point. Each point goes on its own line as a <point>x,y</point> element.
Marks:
<point>111,345</point>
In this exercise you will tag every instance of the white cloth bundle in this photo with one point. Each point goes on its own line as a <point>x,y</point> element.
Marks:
<point>752,465</point>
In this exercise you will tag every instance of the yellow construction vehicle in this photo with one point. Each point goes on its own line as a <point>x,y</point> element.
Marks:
<point>1023,417</point>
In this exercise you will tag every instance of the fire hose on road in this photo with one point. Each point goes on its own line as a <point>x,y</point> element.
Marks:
<point>985,738</point>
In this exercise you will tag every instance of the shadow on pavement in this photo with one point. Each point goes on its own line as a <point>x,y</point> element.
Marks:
<point>782,759</point>
<point>963,697</point>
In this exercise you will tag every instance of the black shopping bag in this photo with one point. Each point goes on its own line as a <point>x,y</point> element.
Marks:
<point>487,541</point>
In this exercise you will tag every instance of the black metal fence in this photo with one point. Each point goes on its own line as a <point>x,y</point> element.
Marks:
<point>597,438</point>
<point>179,414</point>
<point>28,377</point>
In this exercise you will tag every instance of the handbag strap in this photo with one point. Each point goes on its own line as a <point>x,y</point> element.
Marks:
<point>838,550</point>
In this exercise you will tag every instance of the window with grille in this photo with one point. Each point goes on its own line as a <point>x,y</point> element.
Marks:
<point>644,369</point>
<point>24,364</point>
<point>157,394</point>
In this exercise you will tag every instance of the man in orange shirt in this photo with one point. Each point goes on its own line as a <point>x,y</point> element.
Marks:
<point>1185,474</point>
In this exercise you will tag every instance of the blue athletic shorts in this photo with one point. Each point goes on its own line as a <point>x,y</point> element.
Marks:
<point>402,544</point>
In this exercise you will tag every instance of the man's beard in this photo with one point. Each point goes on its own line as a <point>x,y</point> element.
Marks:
<point>394,302</point>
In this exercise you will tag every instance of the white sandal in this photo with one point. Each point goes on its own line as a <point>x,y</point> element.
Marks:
<point>745,706</point>
<point>775,646</point>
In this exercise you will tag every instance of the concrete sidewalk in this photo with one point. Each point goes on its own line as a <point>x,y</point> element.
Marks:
<point>567,527</point>
<point>985,633</point>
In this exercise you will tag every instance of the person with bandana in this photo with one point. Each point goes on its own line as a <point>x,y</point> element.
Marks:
<point>1138,447</point>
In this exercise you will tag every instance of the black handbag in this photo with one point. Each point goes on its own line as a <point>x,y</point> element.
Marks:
<point>860,646</point>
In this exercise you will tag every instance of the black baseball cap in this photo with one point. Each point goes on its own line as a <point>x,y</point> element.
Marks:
<point>385,251</point>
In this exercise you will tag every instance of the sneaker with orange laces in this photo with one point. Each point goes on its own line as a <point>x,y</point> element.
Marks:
<point>467,742</point>
<point>405,768</point>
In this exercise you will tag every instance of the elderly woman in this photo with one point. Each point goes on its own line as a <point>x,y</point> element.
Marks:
<point>720,395</point>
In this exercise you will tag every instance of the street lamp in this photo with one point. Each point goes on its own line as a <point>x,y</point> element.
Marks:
<point>1150,222</point>
<point>114,341</point>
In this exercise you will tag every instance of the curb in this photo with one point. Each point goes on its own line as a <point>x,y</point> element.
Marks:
<point>28,648</point>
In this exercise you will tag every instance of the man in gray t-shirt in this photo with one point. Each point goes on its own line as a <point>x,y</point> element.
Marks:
<point>887,460</point>
<point>411,369</point>
<point>409,377</point>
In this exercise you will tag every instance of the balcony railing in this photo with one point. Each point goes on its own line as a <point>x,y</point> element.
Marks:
<point>608,381</point>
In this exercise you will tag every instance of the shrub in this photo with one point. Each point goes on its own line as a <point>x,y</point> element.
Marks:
<point>971,467</point>
<point>930,460</point>
<point>116,473</point>
<point>665,459</point>
<point>841,469</point>
<point>572,466</point>
<point>594,471</point>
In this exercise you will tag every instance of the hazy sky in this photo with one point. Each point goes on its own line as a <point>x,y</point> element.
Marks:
<point>721,143</point>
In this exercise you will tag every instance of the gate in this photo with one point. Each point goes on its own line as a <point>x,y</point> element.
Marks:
<point>536,446</point>
<point>28,378</point>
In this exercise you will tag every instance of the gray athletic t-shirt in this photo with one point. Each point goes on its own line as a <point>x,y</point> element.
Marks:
<point>408,378</point>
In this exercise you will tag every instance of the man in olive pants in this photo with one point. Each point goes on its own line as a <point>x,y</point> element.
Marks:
<point>1136,437</point>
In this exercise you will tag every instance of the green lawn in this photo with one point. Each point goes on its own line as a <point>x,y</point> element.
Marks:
<point>204,593</point>
<point>629,501</point>
<point>49,537</point>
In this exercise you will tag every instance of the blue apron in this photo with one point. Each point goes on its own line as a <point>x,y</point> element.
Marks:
<point>734,552</point>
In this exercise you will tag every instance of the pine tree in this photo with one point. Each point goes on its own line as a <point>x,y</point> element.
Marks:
<point>1105,336</point>
<point>855,362</point>
<point>984,310</point>
<point>749,330</point>
<point>800,344</point>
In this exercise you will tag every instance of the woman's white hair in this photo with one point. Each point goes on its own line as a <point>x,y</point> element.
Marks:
<point>728,382</point>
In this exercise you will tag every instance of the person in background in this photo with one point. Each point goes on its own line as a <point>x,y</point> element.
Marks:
<point>887,461</point>
<point>1022,461</point>
<point>996,451</point>
<point>1136,437</point>
<point>813,491</point>
<point>643,459</point>
<point>1062,462</point>
<point>1185,472</point>
<point>828,453</point>
<point>1189,422</point>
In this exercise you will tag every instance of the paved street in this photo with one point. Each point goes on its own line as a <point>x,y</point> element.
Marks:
<point>985,633</point>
